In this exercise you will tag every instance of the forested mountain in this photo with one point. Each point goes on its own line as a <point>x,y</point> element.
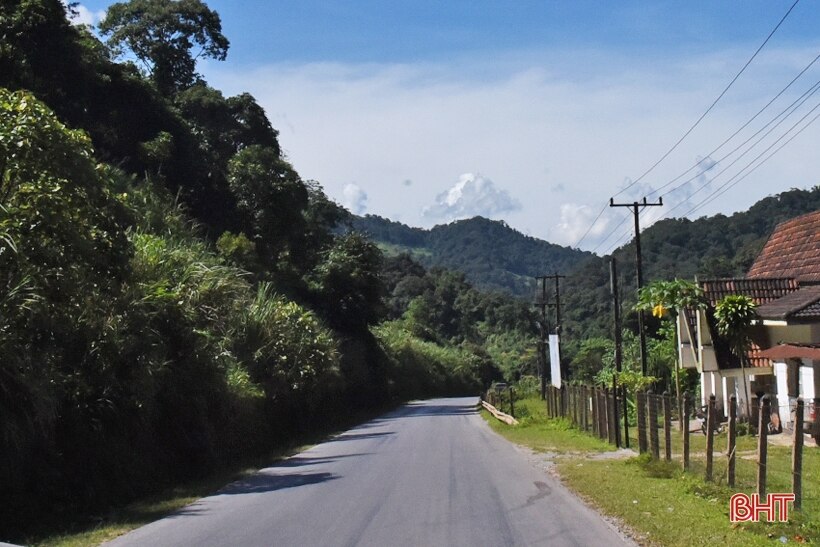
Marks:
<point>174,297</point>
<point>491,254</point>
<point>717,246</point>
<point>495,256</point>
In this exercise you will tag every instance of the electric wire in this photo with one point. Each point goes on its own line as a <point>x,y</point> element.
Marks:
<point>700,119</point>
<point>733,135</point>
<point>722,93</point>
<point>801,100</point>
<point>725,187</point>
<point>814,90</point>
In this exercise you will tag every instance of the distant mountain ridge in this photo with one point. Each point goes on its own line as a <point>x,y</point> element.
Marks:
<point>495,256</point>
<point>492,254</point>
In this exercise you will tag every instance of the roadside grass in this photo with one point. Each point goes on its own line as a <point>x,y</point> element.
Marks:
<point>71,529</point>
<point>657,500</point>
<point>541,434</point>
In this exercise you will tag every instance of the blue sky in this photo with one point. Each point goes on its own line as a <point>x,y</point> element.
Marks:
<point>532,112</point>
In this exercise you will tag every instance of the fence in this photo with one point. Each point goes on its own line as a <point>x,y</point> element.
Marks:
<point>601,412</point>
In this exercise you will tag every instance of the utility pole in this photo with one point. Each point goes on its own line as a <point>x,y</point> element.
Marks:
<point>543,328</point>
<point>638,264</point>
<point>557,330</point>
<point>616,312</point>
<point>543,280</point>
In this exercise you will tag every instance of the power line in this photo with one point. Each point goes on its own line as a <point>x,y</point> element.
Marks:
<point>697,122</point>
<point>724,188</point>
<point>590,227</point>
<point>752,148</point>
<point>722,93</point>
<point>733,135</point>
<point>791,109</point>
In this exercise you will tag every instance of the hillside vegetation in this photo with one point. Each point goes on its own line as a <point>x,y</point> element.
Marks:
<point>174,297</point>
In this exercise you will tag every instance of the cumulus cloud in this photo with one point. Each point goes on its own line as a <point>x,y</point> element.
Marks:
<point>472,195</point>
<point>589,119</point>
<point>84,16</point>
<point>355,198</point>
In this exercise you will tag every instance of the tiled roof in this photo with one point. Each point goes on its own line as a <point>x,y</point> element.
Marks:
<point>760,290</point>
<point>801,304</point>
<point>793,250</point>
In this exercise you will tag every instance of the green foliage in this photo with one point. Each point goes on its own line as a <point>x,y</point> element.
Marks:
<point>271,199</point>
<point>734,315</point>
<point>420,368</point>
<point>162,33</point>
<point>662,297</point>
<point>287,351</point>
<point>347,285</point>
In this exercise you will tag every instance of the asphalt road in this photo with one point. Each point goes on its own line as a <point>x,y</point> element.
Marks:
<point>430,473</point>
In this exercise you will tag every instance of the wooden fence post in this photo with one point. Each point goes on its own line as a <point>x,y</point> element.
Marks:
<point>762,446</point>
<point>654,442</point>
<point>512,402</point>
<point>616,425</point>
<point>685,421</point>
<point>640,404</point>
<point>582,406</point>
<point>710,436</point>
<point>593,396</point>
<point>667,425</point>
<point>797,456</point>
<point>732,442</point>
<point>626,417</point>
<point>604,407</point>
<point>610,417</point>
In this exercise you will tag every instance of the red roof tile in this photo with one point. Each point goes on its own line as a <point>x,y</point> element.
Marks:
<point>801,304</point>
<point>761,290</point>
<point>793,250</point>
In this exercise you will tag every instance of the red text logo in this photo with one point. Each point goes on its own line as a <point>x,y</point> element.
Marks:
<point>743,507</point>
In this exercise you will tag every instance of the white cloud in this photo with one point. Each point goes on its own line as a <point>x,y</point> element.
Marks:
<point>355,198</point>
<point>472,195</point>
<point>84,16</point>
<point>590,119</point>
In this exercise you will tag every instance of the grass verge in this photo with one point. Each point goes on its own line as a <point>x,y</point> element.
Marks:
<point>657,500</point>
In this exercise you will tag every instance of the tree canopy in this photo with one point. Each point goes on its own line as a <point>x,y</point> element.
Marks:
<point>161,34</point>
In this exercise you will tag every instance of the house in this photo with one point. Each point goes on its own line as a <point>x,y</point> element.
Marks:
<point>784,359</point>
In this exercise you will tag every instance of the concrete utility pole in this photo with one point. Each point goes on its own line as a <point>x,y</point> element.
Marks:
<point>639,265</point>
<point>543,328</point>
<point>557,278</point>
<point>616,311</point>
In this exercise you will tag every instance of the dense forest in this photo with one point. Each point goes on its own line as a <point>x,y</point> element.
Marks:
<point>174,297</point>
<point>491,254</point>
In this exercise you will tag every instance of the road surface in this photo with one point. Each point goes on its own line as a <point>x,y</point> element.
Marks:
<point>430,473</point>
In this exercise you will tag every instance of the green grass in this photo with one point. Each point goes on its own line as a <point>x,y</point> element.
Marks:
<point>657,500</point>
<point>541,434</point>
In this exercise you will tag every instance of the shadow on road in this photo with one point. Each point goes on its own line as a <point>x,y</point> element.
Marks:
<point>299,461</point>
<point>357,436</point>
<point>265,481</point>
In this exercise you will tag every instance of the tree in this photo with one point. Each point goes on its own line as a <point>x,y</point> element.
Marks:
<point>734,315</point>
<point>161,35</point>
<point>347,284</point>
<point>271,199</point>
<point>670,298</point>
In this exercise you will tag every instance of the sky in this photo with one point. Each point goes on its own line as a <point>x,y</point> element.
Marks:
<point>532,112</point>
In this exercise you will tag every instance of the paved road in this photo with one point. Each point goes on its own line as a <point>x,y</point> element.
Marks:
<point>430,473</point>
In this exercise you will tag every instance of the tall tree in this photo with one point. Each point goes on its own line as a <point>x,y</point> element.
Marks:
<point>161,34</point>
<point>734,315</point>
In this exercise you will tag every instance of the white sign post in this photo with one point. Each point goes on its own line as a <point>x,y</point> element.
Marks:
<point>555,360</point>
